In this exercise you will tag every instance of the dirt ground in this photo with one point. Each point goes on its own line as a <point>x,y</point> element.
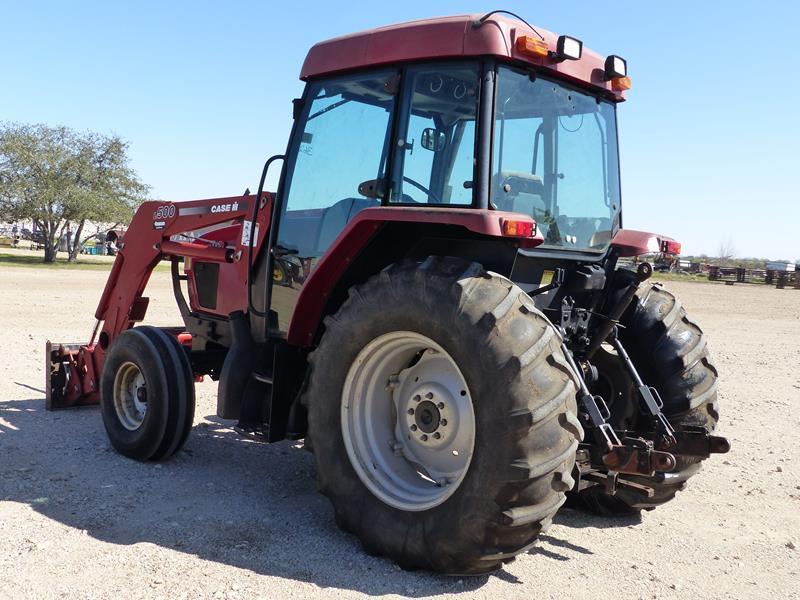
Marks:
<point>227,518</point>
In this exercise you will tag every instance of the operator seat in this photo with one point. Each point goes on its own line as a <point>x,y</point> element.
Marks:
<point>525,196</point>
<point>337,216</point>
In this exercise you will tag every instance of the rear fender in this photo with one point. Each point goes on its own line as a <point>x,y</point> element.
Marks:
<point>345,264</point>
<point>629,242</point>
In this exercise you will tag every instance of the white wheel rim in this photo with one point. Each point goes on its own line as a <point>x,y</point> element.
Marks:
<point>130,396</point>
<point>407,421</point>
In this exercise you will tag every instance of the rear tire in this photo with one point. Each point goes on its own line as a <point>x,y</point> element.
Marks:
<point>523,398</point>
<point>670,353</point>
<point>147,394</point>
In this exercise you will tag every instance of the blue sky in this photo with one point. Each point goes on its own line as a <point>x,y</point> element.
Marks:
<point>710,137</point>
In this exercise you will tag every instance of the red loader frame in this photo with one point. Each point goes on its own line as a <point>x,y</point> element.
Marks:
<point>215,230</point>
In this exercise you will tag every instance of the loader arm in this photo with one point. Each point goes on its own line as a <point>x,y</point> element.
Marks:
<point>215,230</point>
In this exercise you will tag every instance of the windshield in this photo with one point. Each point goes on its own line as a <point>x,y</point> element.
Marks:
<point>555,158</point>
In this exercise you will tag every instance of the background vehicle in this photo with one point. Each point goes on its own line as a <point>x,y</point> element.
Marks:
<point>431,300</point>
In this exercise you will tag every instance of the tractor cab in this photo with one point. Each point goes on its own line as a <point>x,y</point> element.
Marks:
<point>446,114</point>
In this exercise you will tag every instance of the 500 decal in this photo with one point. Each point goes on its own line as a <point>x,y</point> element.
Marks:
<point>164,212</point>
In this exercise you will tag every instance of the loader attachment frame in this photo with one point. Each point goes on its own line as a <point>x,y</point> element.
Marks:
<point>159,231</point>
<point>66,372</point>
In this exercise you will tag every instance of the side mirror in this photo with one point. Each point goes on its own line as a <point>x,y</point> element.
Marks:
<point>433,139</point>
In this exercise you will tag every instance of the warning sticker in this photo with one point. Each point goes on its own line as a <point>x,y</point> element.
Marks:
<point>246,226</point>
<point>547,278</point>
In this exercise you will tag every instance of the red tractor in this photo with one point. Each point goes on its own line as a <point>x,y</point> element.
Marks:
<point>431,300</point>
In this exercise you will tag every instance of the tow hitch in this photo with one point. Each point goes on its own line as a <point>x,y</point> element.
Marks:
<point>635,456</point>
<point>696,442</point>
<point>612,453</point>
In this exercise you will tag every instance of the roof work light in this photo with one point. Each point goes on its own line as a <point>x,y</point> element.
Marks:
<point>616,66</point>
<point>616,71</point>
<point>568,48</point>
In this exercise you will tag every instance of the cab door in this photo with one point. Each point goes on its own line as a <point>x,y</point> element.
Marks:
<point>341,142</point>
<point>435,145</point>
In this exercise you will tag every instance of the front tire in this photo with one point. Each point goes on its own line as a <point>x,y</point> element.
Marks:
<point>147,394</point>
<point>519,402</point>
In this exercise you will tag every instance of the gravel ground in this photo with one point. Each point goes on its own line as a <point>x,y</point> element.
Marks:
<point>227,518</point>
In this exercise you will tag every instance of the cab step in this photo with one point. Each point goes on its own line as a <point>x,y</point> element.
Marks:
<point>257,432</point>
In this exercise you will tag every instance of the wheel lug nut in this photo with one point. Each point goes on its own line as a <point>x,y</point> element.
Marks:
<point>417,398</point>
<point>437,435</point>
<point>440,405</point>
<point>411,411</point>
<point>443,422</point>
<point>424,438</point>
<point>413,428</point>
<point>429,395</point>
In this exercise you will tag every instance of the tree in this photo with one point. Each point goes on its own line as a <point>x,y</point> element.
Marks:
<point>60,179</point>
<point>727,251</point>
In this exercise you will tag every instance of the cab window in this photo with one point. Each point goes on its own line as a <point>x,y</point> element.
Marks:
<point>555,158</point>
<point>344,143</point>
<point>434,159</point>
<point>341,146</point>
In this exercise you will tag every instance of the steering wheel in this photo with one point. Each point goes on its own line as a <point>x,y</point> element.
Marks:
<point>422,188</point>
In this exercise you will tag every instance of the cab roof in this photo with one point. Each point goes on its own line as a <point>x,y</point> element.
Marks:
<point>449,37</point>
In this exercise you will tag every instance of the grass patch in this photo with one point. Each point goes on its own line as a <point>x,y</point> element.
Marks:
<point>31,261</point>
<point>35,261</point>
